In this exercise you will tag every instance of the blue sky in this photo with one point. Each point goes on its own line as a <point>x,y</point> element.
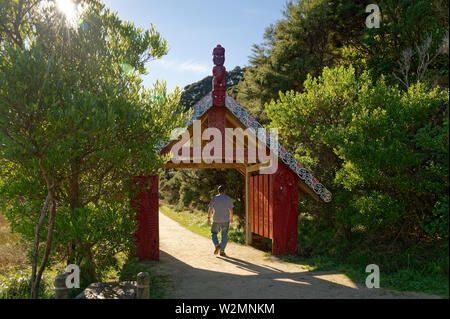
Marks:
<point>193,28</point>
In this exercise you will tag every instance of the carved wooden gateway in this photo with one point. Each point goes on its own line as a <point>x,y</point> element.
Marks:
<point>221,134</point>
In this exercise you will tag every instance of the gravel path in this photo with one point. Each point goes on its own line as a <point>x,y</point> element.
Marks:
<point>246,273</point>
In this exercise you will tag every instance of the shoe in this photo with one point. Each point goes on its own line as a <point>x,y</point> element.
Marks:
<point>216,251</point>
<point>222,253</point>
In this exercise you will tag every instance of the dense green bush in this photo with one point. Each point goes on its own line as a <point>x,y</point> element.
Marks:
<point>382,151</point>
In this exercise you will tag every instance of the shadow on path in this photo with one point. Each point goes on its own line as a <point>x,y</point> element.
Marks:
<point>264,282</point>
<point>246,274</point>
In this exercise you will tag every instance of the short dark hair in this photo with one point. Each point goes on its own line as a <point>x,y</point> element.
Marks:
<point>222,188</point>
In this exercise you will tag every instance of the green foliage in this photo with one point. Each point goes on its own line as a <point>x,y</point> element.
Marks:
<point>437,223</point>
<point>110,231</point>
<point>374,131</point>
<point>388,149</point>
<point>403,266</point>
<point>407,24</point>
<point>187,195</point>
<point>170,185</point>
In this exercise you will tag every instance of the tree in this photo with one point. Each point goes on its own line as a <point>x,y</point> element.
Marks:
<point>75,125</point>
<point>407,25</point>
<point>317,34</point>
<point>311,35</point>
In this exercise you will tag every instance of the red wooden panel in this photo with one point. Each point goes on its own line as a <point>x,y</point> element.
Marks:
<point>255,204</point>
<point>250,213</point>
<point>261,205</point>
<point>266,206</point>
<point>147,234</point>
<point>285,211</point>
<point>270,207</point>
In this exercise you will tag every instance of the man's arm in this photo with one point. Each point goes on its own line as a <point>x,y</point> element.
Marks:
<point>210,211</point>
<point>231,215</point>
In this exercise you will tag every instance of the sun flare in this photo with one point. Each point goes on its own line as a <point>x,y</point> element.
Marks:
<point>70,10</point>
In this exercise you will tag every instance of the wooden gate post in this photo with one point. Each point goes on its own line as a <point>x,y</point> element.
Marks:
<point>147,203</point>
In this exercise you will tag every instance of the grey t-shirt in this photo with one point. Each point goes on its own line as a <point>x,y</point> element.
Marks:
<point>221,204</point>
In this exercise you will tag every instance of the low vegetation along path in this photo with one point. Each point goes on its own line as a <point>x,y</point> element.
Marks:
<point>246,272</point>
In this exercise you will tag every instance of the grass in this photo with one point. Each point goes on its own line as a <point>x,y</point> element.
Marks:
<point>12,255</point>
<point>15,284</point>
<point>196,221</point>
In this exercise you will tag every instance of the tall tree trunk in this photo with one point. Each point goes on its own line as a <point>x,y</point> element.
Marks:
<point>36,274</point>
<point>37,230</point>
<point>48,243</point>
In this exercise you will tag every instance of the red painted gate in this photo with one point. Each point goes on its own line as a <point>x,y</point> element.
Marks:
<point>271,200</point>
<point>274,209</point>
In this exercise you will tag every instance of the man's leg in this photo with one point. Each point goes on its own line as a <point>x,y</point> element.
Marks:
<point>224,233</point>
<point>214,231</point>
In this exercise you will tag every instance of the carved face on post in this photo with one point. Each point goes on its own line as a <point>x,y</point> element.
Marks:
<point>219,55</point>
<point>219,98</point>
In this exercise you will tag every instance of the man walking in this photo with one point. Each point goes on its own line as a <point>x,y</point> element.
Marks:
<point>222,207</point>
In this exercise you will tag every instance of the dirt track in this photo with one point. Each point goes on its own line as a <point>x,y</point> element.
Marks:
<point>247,273</point>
